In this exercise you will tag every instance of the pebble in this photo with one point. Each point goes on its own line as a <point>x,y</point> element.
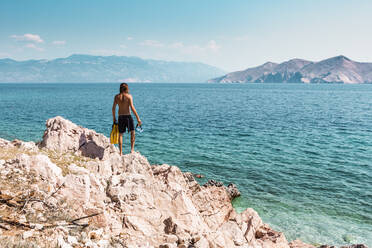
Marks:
<point>72,240</point>
<point>27,234</point>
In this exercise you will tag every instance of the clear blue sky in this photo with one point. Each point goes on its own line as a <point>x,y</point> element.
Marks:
<point>230,34</point>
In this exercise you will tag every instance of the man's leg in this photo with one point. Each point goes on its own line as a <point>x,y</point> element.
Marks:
<point>132,140</point>
<point>121,143</point>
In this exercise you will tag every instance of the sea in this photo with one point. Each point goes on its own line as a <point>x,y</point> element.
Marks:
<point>301,154</point>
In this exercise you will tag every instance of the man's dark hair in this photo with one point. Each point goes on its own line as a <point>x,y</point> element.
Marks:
<point>124,88</point>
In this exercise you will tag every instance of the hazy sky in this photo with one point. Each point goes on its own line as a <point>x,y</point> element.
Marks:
<point>230,34</point>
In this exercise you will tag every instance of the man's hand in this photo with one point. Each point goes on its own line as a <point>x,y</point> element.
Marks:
<point>139,123</point>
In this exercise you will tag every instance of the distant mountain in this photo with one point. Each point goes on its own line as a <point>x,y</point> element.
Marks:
<point>88,68</point>
<point>333,70</point>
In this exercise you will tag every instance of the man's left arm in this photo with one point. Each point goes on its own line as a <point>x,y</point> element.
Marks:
<point>134,111</point>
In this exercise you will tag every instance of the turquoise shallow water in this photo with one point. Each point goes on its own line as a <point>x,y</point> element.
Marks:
<point>300,154</point>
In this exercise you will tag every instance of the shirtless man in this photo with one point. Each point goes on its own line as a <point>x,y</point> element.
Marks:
<point>125,100</point>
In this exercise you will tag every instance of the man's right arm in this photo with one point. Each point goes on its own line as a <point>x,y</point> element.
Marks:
<point>114,110</point>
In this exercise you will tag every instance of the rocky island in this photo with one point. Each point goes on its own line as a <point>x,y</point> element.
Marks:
<point>73,189</point>
<point>339,69</point>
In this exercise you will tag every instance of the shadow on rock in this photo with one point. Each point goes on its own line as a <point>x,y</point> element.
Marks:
<point>89,148</point>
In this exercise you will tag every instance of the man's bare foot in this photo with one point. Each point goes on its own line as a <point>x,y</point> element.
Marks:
<point>132,151</point>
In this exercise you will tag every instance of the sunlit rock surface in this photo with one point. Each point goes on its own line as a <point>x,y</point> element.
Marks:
<point>74,190</point>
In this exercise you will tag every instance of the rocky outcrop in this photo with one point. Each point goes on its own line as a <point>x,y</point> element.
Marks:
<point>231,189</point>
<point>64,136</point>
<point>68,193</point>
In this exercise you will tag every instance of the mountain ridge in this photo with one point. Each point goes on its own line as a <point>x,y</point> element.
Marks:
<point>338,69</point>
<point>91,68</point>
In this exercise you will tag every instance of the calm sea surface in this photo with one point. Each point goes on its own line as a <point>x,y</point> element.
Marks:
<point>300,154</point>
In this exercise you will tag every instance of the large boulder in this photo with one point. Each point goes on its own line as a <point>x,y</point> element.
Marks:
<point>64,136</point>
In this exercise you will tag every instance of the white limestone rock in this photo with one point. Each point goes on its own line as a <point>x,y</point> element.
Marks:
<point>64,136</point>
<point>129,203</point>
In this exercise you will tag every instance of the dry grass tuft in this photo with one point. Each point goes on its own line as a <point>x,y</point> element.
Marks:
<point>62,160</point>
<point>11,152</point>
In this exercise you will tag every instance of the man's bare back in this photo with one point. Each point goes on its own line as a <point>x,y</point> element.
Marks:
<point>123,101</point>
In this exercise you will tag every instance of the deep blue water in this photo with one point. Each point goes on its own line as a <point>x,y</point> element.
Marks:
<point>300,154</point>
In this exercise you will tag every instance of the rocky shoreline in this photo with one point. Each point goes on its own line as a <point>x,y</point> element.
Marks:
<point>74,190</point>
